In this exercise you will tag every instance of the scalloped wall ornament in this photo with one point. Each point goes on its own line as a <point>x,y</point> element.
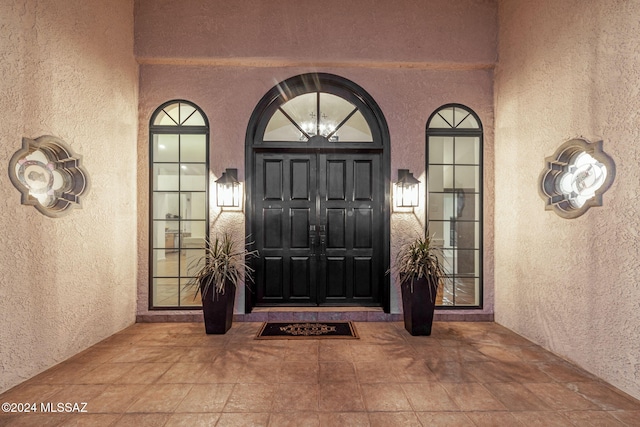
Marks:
<point>49,175</point>
<point>575,178</point>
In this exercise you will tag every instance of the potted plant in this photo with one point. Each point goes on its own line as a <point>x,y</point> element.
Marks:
<point>216,277</point>
<point>420,270</point>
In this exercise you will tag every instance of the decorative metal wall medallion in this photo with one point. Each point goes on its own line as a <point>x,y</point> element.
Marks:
<point>49,175</point>
<point>576,177</point>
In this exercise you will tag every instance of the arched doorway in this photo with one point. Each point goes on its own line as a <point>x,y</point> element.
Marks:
<point>317,199</point>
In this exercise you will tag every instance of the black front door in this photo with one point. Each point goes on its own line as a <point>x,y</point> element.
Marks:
<point>318,227</point>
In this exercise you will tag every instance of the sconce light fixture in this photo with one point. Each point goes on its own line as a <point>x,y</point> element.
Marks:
<point>49,175</point>
<point>407,190</point>
<point>228,189</point>
<point>575,178</point>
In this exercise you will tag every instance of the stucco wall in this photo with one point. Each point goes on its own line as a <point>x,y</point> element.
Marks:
<point>67,70</point>
<point>569,68</point>
<point>411,56</point>
<point>359,32</point>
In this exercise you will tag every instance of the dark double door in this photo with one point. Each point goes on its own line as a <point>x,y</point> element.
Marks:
<point>318,227</point>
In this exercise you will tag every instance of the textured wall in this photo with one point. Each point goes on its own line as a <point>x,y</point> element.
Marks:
<point>67,70</point>
<point>411,56</point>
<point>360,32</point>
<point>569,68</point>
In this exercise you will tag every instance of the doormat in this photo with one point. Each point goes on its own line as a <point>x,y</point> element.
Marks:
<point>306,330</point>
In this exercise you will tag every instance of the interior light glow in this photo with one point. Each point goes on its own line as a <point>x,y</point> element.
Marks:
<point>582,179</point>
<point>228,191</point>
<point>407,192</point>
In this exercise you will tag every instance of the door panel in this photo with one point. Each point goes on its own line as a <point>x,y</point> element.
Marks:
<point>336,180</point>
<point>300,173</point>
<point>300,228</point>
<point>284,206</point>
<point>317,222</point>
<point>336,226</point>
<point>300,277</point>
<point>363,180</point>
<point>351,207</point>
<point>363,228</point>
<point>272,220</point>
<point>272,276</point>
<point>363,272</point>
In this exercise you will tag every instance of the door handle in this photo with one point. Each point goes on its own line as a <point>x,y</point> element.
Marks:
<point>323,239</point>
<point>312,240</point>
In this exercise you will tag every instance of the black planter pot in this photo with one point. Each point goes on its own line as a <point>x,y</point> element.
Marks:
<point>218,311</point>
<point>417,306</point>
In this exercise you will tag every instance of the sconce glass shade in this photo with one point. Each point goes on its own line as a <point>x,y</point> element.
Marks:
<point>407,190</point>
<point>581,179</point>
<point>228,189</point>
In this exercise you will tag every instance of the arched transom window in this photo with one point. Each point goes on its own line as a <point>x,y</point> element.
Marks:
<point>318,113</point>
<point>454,205</point>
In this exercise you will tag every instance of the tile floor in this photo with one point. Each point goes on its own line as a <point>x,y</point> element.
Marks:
<point>465,374</point>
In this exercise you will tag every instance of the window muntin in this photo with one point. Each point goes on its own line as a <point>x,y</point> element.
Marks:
<point>318,113</point>
<point>179,114</point>
<point>453,117</point>
<point>454,205</point>
<point>179,138</point>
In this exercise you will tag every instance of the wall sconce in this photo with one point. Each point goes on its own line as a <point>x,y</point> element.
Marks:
<point>49,175</point>
<point>228,189</point>
<point>407,190</point>
<point>575,177</point>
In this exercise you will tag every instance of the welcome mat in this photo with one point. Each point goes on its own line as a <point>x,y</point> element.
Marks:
<point>306,330</point>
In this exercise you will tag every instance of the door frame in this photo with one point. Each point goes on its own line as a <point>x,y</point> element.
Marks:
<point>322,82</point>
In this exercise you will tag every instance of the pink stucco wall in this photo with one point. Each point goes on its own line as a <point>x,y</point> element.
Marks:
<point>358,31</point>
<point>67,69</point>
<point>568,69</point>
<point>411,56</point>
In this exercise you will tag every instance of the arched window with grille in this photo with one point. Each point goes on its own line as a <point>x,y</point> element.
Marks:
<point>179,208</point>
<point>454,200</point>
